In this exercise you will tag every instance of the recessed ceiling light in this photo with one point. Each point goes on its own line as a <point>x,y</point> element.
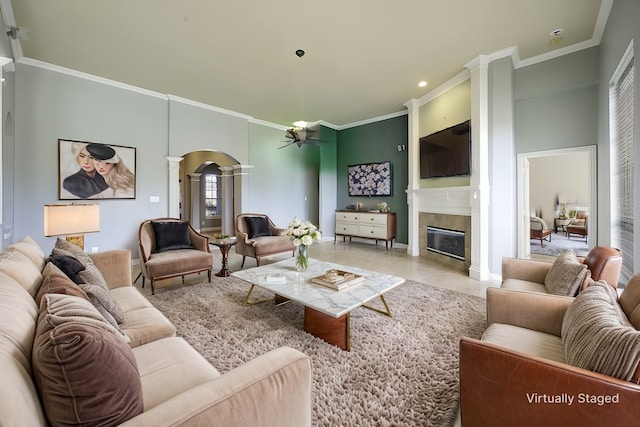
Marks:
<point>422,84</point>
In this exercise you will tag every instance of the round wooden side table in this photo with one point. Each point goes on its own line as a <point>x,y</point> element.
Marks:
<point>224,245</point>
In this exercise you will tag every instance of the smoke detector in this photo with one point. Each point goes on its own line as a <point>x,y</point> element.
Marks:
<point>556,36</point>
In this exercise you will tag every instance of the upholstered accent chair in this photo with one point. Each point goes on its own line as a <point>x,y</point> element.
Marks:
<point>258,237</point>
<point>539,230</point>
<point>170,247</point>
<point>579,225</point>
<point>602,263</point>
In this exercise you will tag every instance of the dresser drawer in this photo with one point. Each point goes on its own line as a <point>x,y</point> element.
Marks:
<point>346,228</point>
<point>346,217</point>
<point>372,231</point>
<point>366,219</point>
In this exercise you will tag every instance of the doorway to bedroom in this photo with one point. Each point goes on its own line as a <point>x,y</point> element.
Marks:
<point>557,186</point>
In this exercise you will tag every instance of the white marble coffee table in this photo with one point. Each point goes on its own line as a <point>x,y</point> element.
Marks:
<point>326,310</point>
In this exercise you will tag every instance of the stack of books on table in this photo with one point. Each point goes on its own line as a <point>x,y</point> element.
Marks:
<point>338,279</point>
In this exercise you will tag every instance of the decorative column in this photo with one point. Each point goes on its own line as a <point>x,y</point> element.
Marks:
<point>228,215</point>
<point>174,186</point>
<point>413,143</point>
<point>194,185</point>
<point>241,188</point>
<point>479,193</point>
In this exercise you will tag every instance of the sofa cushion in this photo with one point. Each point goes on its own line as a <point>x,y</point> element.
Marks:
<point>524,285</point>
<point>29,248</point>
<point>525,340</point>
<point>257,226</point>
<point>565,275</point>
<point>143,323</point>
<point>86,374</point>
<point>69,265</point>
<point>171,235</point>
<point>54,281</point>
<point>170,361</point>
<point>104,303</point>
<point>183,260</point>
<point>597,335</point>
<point>20,268</point>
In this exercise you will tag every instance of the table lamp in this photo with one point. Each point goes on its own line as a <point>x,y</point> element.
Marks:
<point>71,220</point>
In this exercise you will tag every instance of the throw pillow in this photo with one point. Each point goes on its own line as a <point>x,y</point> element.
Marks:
<point>30,248</point>
<point>566,275</point>
<point>104,303</point>
<point>56,282</point>
<point>17,266</point>
<point>74,251</point>
<point>597,335</point>
<point>86,375</point>
<point>257,226</point>
<point>69,266</point>
<point>171,235</point>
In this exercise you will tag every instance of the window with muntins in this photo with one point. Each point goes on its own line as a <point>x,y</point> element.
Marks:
<point>212,195</point>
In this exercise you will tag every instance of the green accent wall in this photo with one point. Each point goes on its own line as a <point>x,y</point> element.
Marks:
<point>377,142</point>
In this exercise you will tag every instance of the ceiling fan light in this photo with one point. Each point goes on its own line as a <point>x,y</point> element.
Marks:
<point>300,124</point>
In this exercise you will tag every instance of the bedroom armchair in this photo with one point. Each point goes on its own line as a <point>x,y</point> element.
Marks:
<point>539,230</point>
<point>579,225</point>
<point>258,237</point>
<point>170,247</point>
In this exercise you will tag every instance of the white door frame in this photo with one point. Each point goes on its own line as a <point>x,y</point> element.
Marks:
<point>524,241</point>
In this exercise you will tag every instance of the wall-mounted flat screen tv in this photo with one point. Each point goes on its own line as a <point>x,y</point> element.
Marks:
<point>447,152</point>
<point>369,179</point>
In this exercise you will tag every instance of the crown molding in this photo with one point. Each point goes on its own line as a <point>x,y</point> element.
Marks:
<point>207,107</point>
<point>86,76</point>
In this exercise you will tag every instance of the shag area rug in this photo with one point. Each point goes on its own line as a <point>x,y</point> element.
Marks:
<point>401,371</point>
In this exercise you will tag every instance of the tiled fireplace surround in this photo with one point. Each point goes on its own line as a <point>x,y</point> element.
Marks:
<point>449,222</point>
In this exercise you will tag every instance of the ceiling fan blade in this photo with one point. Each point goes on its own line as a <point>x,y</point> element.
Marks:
<point>287,144</point>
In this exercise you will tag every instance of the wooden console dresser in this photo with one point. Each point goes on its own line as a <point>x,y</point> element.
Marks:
<point>368,225</point>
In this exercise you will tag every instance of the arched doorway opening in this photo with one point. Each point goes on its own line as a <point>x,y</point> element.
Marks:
<point>206,181</point>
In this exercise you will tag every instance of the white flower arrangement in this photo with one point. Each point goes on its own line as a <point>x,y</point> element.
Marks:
<point>302,232</point>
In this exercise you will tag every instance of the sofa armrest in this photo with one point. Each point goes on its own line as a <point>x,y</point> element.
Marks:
<point>499,386</point>
<point>115,266</point>
<point>273,389</point>
<point>525,269</point>
<point>531,310</point>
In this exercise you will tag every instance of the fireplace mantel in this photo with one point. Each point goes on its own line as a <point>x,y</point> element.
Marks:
<point>445,200</point>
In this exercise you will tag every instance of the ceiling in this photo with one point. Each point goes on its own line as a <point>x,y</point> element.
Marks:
<point>364,58</point>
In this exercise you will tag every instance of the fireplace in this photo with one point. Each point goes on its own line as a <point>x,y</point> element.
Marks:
<point>446,242</point>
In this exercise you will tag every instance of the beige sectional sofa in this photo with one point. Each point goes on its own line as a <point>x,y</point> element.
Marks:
<point>64,363</point>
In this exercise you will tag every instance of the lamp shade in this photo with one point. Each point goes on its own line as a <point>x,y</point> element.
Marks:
<point>71,219</point>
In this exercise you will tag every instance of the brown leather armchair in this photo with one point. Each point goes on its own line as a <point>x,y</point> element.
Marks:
<point>505,376</point>
<point>170,247</point>
<point>603,262</point>
<point>258,237</point>
<point>579,225</point>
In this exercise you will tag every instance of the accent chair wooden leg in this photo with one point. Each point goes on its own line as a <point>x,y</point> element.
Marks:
<point>209,275</point>
<point>143,281</point>
<point>153,287</point>
<point>242,265</point>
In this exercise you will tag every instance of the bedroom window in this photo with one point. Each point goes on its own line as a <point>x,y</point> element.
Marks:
<point>622,162</point>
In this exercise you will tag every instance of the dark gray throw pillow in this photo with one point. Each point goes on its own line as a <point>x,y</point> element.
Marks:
<point>69,266</point>
<point>171,235</point>
<point>258,226</point>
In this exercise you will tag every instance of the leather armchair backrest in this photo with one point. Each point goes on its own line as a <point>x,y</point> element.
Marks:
<point>630,301</point>
<point>605,264</point>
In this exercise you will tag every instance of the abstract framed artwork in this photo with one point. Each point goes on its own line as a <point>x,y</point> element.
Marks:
<point>90,170</point>
<point>370,179</point>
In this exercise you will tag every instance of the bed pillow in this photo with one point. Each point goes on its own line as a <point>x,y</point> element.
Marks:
<point>566,275</point>
<point>171,235</point>
<point>597,335</point>
<point>85,373</point>
<point>257,226</point>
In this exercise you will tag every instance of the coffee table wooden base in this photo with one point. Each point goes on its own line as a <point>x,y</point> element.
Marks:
<point>333,330</point>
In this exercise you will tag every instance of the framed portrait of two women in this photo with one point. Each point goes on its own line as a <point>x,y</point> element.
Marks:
<point>90,170</point>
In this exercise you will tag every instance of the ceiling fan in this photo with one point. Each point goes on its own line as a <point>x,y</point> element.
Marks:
<point>301,134</point>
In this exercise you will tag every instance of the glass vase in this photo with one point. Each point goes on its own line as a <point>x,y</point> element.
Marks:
<point>302,262</point>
